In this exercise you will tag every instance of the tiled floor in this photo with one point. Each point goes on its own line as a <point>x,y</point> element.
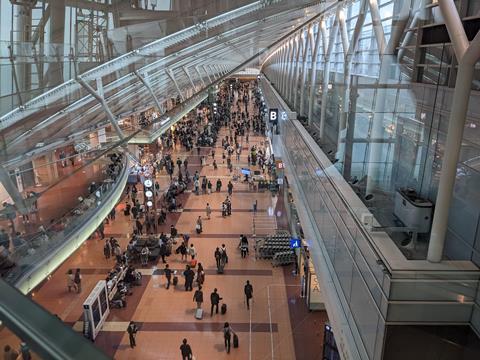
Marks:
<point>165,317</point>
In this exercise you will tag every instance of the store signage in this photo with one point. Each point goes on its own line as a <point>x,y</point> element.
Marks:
<point>273,115</point>
<point>295,243</point>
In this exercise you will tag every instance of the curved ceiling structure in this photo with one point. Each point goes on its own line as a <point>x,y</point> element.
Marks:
<point>181,65</point>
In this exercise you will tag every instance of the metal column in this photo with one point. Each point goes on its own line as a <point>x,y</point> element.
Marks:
<point>313,75</point>
<point>308,45</point>
<point>326,74</point>
<point>294,88</point>
<point>467,55</point>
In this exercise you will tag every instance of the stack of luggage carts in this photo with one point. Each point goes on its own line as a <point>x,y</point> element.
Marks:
<point>275,247</point>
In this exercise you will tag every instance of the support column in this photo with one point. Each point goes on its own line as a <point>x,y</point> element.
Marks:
<point>313,74</point>
<point>387,61</point>
<point>291,68</point>
<point>294,88</point>
<point>57,27</point>
<point>352,47</point>
<point>326,75</point>
<point>308,45</point>
<point>467,55</point>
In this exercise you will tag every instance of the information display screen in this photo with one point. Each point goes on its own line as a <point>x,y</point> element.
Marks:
<point>103,301</point>
<point>96,313</point>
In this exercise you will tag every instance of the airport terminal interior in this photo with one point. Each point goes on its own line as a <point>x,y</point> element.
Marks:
<point>239,179</point>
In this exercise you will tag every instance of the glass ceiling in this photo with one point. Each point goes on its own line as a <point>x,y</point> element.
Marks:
<point>188,61</point>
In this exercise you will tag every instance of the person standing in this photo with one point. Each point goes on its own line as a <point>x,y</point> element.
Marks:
<point>107,249</point>
<point>192,252</point>
<point>186,350</point>
<point>198,226</point>
<point>189,275</point>
<point>248,290</point>
<point>198,297</point>
<point>139,226</point>
<point>218,257</point>
<point>215,300</point>
<point>71,281</point>
<point>132,332</point>
<point>144,254</point>
<point>168,275</point>
<point>227,336</point>
<point>78,280</point>
<point>208,210</point>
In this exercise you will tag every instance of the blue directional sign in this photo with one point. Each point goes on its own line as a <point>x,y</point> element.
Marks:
<point>295,243</point>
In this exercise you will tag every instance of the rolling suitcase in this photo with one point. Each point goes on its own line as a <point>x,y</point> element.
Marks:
<point>235,341</point>
<point>175,281</point>
<point>223,309</point>
<point>193,263</point>
<point>199,314</point>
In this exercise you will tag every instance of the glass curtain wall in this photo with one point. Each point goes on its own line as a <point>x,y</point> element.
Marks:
<point>380,106</point>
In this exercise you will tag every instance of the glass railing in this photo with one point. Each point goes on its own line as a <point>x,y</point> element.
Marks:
<point>28,329</point>
<point>31,250</point>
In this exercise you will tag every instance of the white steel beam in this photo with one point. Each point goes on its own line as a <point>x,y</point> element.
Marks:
<point>313,72</point>
<point>326,73</point>
<point>308,43</point>
<point>467,55</point>
<point>171,75</point>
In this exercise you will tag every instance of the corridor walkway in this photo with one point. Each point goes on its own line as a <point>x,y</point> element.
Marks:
<point>164,316</point>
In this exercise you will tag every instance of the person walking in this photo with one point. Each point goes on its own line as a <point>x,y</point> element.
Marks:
<point>168,275</point>
<point>248,290</point>
<point>218,257</point>
<point>243,249</point>
<point>196,184</point>
<point>198,297</point>
<point>215,300</point>
<point>208,210</point>
<point>189,275</point>
<point>200,275</point>
<point>78,280</point>
<point>132,332</point>
<point>186,350</point>
<point>227,336</point>
<point>198,226</point>
<point>139,226</point>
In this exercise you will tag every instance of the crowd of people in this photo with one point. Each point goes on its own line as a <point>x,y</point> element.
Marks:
<point>148,244</point>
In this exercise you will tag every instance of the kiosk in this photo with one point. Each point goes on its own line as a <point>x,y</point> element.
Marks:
<point>95,310</point>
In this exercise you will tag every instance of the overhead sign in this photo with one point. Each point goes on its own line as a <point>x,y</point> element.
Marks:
<point>295,243</point>
<point>273,115</point>
<point>284,115</point>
